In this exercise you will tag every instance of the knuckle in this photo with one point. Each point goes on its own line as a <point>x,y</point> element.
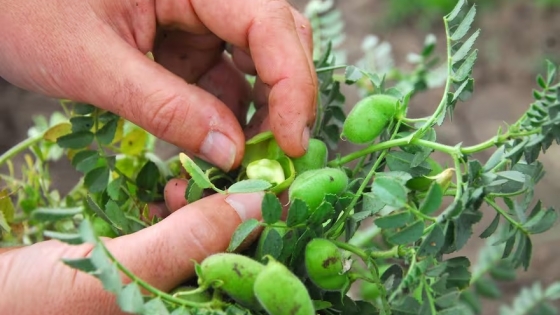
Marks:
<point>162,108</point>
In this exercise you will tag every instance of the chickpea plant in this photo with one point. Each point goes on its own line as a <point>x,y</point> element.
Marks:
<point>369,232</point>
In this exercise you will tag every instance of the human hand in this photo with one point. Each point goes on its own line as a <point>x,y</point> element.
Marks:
<point>94,52</point>
<point>33,279</point>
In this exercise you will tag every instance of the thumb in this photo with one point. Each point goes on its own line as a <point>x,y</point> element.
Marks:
<point>162,254</point>
<point>138,89</point>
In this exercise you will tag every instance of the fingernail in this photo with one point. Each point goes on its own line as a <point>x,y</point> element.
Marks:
<point>305,138</point>
<point>247,206</point>
<point>219,150</point>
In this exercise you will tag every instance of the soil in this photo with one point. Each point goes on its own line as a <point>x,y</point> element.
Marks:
<point>516,37</point>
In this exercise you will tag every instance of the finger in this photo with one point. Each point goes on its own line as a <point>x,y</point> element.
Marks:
<point>226,83</point>
<point>305,36</point>
<point>145,93</point>
<point>156,210</point>
<point>162,253</point>
<point>174,194</point>
<point>261,93</point>
<point>187,55</point>
<point>243,61</point>
<point>259,123</point>
<point>267,29</point>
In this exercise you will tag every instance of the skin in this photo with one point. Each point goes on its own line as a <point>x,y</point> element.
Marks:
<point>93,51</point>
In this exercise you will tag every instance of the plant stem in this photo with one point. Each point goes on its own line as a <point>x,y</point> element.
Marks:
<point>324,69</point>
<point>391,253</point>
<point>504,214</point>
<point>443,103</point>
<point>346,213</point>
<point>20,147</point>
<point>427,288</point>
<point>458,192</point>
<point>149,288</point>
<point>401,286</point>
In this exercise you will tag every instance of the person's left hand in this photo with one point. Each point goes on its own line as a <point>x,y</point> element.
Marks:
<point>35,281</point>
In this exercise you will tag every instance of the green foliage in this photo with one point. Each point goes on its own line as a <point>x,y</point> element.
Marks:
<point>424,13</point>
<point>420,211</point>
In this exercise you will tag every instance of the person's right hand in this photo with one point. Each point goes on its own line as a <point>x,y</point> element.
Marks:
<point>93,51</point>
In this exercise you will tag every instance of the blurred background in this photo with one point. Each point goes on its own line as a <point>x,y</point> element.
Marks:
<point>516,37</point>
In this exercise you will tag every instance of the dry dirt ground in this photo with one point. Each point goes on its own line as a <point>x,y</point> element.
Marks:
<point>514,40</point>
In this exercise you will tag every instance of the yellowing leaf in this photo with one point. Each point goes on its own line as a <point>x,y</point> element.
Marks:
<point>57,131</point>
<point>6,210</point>
<point>120,131</point>
<point>133,143</point>
<point>71,153</point>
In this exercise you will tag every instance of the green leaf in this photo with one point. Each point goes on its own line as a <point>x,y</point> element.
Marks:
<point>402,161</point>
<point>241,233</point>
<point>456,310</point>
<point>324,212</point>
<point>55,214</point>
<point>448,300</point>
<point>459,275</point>
<point>114,189</point>
<point>465,48</point>
<point>390,191</point>
<point>75,140</point>
<point>249,185</point>
<point>492,227</point>
<point>487,288</point>
<point>69,238</point>
<point>466,67</point>
<point>106,134</point>
<point>82,264</point>
<point>130,299</point>
<point>503,272</point>
<point>148,176</point>
<point>465,25</point>
<point>542,221</point>
<point>395,220</point>
<point>81,123</point>
<point>297,213</point>
<point>456,10</point>
<point>433,199</point>
<point>352,74</point>
<point>95,207</point>
<point>85,161</point>
<point>495,159</point>
<point>4,223</point>
<point>401,177</point>
<point>551,72</point>
<point>97,179</point>
<point>196,173</point>
<point>83,109</point>
<point>409,234</point>
<point>472,300</point>
<point>272,244</point>
<point>117,216</point>
<point>193,191</point>
<point>155,306</point>
<point>553,291</point>
<point>464,91</point>
<point>372,203</point>
<point>541,82</point>
<point>181,311</point>
<point>271,208</point>
<point>106,271</point>
<point>433,242</point>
